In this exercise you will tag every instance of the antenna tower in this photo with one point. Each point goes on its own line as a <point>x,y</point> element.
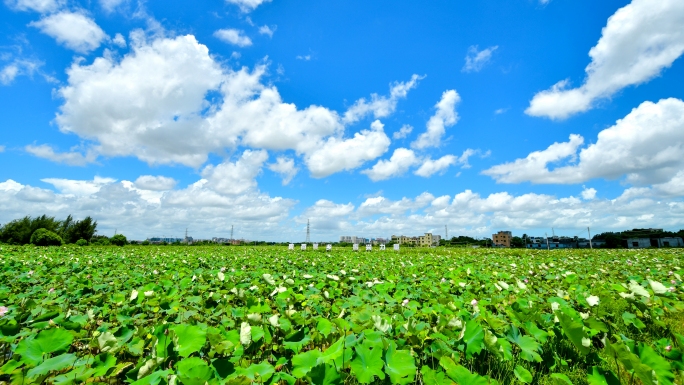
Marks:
<point>308,232</point>
<point>446,233</point>
<point>186,233</point>
<point>231,233</point>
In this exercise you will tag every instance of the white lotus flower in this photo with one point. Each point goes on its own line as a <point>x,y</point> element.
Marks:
<point>149,293</point>
<point>593,300</point>
<point>134,295</point>
<point>245,334</point>
<point>307,276</point>
<point>273,320</point>
<point>586,342</point>
<point>221,276</point>
<point>269,279</point>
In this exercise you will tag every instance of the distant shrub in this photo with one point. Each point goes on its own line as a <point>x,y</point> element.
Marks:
<point>45,237</point>
<point>82,242</point>
<point>145,242</point>
<point>118,240</point>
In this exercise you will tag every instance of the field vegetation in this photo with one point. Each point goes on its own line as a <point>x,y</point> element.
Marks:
<point>240,315</point>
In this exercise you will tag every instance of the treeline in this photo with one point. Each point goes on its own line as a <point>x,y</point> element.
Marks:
<point>48,231</point>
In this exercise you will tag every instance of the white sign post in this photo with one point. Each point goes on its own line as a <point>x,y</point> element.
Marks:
<point>315,246</point>
<point>303,246</point>
<point>290,246</point>
<point>355,247</point>
<point>369,247</point>
<point>382,247</point>
<point>328,248</point>
<point>396,247</point>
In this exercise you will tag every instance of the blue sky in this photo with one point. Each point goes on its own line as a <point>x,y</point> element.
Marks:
<point>368,119</point>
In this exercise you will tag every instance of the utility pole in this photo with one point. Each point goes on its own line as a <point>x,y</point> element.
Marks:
<point>547,241</point>
<point>446,233</point>
<point>308,232</point>
<point>589,233</point>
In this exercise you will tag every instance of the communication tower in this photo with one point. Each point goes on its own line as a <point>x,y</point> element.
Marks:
<point>231,233</point>
<point>308,232</point>
<point>446,233</point>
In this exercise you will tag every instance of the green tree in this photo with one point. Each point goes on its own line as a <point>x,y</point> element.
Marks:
<point>100,240</point>
<point>82,242</point>
<point>517,242</point>
<point>19,231</point>
<point>45,237</point>
<point>118,240</point>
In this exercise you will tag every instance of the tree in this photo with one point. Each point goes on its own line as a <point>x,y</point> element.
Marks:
<point>517,242</point>
<point>82,242</point>
<point>118,240</point>
<point>19,231</point>
<point>45,237</point>
<point>100,240</point>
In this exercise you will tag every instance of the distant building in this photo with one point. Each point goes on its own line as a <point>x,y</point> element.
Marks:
<point>157,240</point>
<point>670,242</point>
<point>638,243</point>
<point>426,240</point>
<point>502,239</point>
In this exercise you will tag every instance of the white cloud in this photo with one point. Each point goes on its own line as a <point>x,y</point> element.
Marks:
<point>445,116</point>
<point>72,158</point>
<point>337,154</point>
<point>79,187</point>
<point>475,60</point>
<point>233,36</point>
<point>588,193</point>
<point>381,106</point>
<point>41,6</point>
<point>247,5</point>
<point>111,5</point>
<point>74,30</point>
<point>500,111</point>
<point>645,146</point>
<point>266,30</point>
<point>403,132</point>
<point>431,167</point>
<point>637,43</point>
<point>155,183</point>
<point>325,215</point>
<point>18,67</point>
<point>304,57</point>
<point>285,167</point>
<point>2,148</point>
<point>402,159</point>
<point>234,178</point>
<point>119,40</point>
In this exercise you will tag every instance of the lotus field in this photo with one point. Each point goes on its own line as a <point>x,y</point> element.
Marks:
<point>239,315</point>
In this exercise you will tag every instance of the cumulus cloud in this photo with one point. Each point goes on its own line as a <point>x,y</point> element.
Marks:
<point>162,114</point>
<point>475,60</point>
<point>119,40</point>
<point>402,159</point>
<point>233,36</point>
<point>72,158</point>
<point>42,6</point>
<point>285,167</point>
<point>327,216</point>
<point>588,193</point>
<point>140,213</point>
<point>431,167</point>
<point>445,116</point>
<point>337,154</point>
<point>79,187</point>
<point>637,43</point>
<point>74,30</point>
<point>155,183</point>
<point>266,30</point>
<point>403,132</point>
<point>233,178</point>
<point>247,5</point>
<point>381,106</point>
<point>645,146</point>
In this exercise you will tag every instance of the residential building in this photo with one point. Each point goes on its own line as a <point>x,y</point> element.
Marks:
<point>426,240</point>
<point>502,239</point>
